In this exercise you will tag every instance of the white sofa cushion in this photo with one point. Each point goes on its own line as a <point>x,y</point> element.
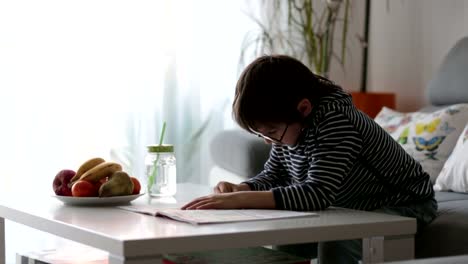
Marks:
<point>454,174</point>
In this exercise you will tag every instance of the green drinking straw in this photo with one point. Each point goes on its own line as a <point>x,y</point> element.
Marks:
<point>155,171</point>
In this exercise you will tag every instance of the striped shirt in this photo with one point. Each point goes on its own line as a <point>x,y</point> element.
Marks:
<point>343,159</point>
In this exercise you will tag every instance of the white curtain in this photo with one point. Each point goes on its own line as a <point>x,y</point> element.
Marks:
<point>80,79</point>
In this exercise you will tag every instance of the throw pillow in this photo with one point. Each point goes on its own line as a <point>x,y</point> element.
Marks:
<point>428,137</point>
<point>454,174</point>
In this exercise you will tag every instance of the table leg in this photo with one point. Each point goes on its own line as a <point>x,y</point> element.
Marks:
<point>113,259</point>
<point>372,250</point>
<point>2,241</point>
<point>380,249</point>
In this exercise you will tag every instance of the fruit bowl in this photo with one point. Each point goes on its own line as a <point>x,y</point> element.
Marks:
<point>97,201</point>
<point>96,182</point>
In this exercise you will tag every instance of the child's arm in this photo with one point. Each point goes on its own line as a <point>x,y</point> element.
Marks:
<point>332,153</point>
<point>234,200</point>
<point>273,174</point>
<point>226,187</point>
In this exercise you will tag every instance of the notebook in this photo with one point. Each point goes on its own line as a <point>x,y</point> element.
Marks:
<point>216,216</point>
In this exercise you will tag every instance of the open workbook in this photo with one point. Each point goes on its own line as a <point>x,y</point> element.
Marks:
<point>215,216</point>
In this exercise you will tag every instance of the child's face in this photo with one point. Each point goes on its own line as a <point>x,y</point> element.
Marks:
<point>285,133</point>
<point>281,133</point>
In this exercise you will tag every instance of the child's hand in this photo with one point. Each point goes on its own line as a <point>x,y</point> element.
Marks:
<point>217,201</point>
<point>227,187</point>
<point>234,200</point>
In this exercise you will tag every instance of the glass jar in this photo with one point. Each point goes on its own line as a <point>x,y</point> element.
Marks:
<point>161,171</point>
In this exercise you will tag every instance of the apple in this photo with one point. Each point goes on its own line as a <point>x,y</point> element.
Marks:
<point>98,184</point>
<point>83,188</point>
<point>61,181</point>
<point>136,185</point>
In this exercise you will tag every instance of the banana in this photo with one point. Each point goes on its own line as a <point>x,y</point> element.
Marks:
<point>89,164</point>
<point>101,171</point>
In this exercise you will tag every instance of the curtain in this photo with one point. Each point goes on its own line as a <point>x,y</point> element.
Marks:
<point>81,79</point>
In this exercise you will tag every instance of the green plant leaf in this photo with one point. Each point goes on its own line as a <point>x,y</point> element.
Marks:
<point>309,31</point>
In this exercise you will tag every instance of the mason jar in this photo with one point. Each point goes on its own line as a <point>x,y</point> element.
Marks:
<point>161,173</point>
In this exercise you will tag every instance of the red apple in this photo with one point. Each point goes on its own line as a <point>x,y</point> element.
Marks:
<point>136,185</point>
<point>61,181</point>
<point>83,188</point>
<point>98,184</point>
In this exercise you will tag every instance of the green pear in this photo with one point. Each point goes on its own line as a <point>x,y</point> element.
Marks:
<point>118,184</point>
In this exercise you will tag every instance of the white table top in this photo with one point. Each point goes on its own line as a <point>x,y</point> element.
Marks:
<point>125,233</point>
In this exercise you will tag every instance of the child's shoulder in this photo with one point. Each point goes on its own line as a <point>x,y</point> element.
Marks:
<point>336,100</point>
<point>336,103</point>
<point>337,109</point>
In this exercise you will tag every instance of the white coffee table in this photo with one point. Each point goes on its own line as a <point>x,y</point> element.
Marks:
<point>135,238</point>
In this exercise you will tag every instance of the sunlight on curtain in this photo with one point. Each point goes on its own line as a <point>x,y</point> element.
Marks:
<point>80,79</point>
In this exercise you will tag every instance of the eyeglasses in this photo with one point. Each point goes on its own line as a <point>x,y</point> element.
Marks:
<point>279,141</point>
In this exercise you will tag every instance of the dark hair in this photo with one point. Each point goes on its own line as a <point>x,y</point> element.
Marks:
<point>270,88</point>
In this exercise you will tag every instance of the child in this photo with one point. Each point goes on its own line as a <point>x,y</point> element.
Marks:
<point>325,153</point>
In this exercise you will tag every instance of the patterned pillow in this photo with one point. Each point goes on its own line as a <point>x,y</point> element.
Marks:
<point>454,174</point>
<point>427,137</point>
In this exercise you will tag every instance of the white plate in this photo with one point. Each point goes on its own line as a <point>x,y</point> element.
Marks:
<point>99,201</point>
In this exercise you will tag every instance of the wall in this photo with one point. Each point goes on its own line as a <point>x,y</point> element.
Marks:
<point>349,76</point>
<point>408,40</point>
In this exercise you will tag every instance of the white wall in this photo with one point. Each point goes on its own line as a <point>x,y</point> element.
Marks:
<point>349,76</point>
<point>408,40</point>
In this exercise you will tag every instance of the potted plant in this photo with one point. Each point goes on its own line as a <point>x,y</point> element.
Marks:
<point>305,29</point>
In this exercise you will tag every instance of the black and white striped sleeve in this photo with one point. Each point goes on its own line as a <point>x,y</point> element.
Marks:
<point>333,152</point>
<point>273,174</point>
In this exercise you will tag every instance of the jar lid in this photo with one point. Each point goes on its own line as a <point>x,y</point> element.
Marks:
<point>161,148</point>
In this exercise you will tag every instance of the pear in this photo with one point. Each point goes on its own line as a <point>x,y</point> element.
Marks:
<point>118,184</point>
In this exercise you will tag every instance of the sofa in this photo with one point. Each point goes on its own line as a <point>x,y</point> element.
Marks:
<point>238,155</point>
